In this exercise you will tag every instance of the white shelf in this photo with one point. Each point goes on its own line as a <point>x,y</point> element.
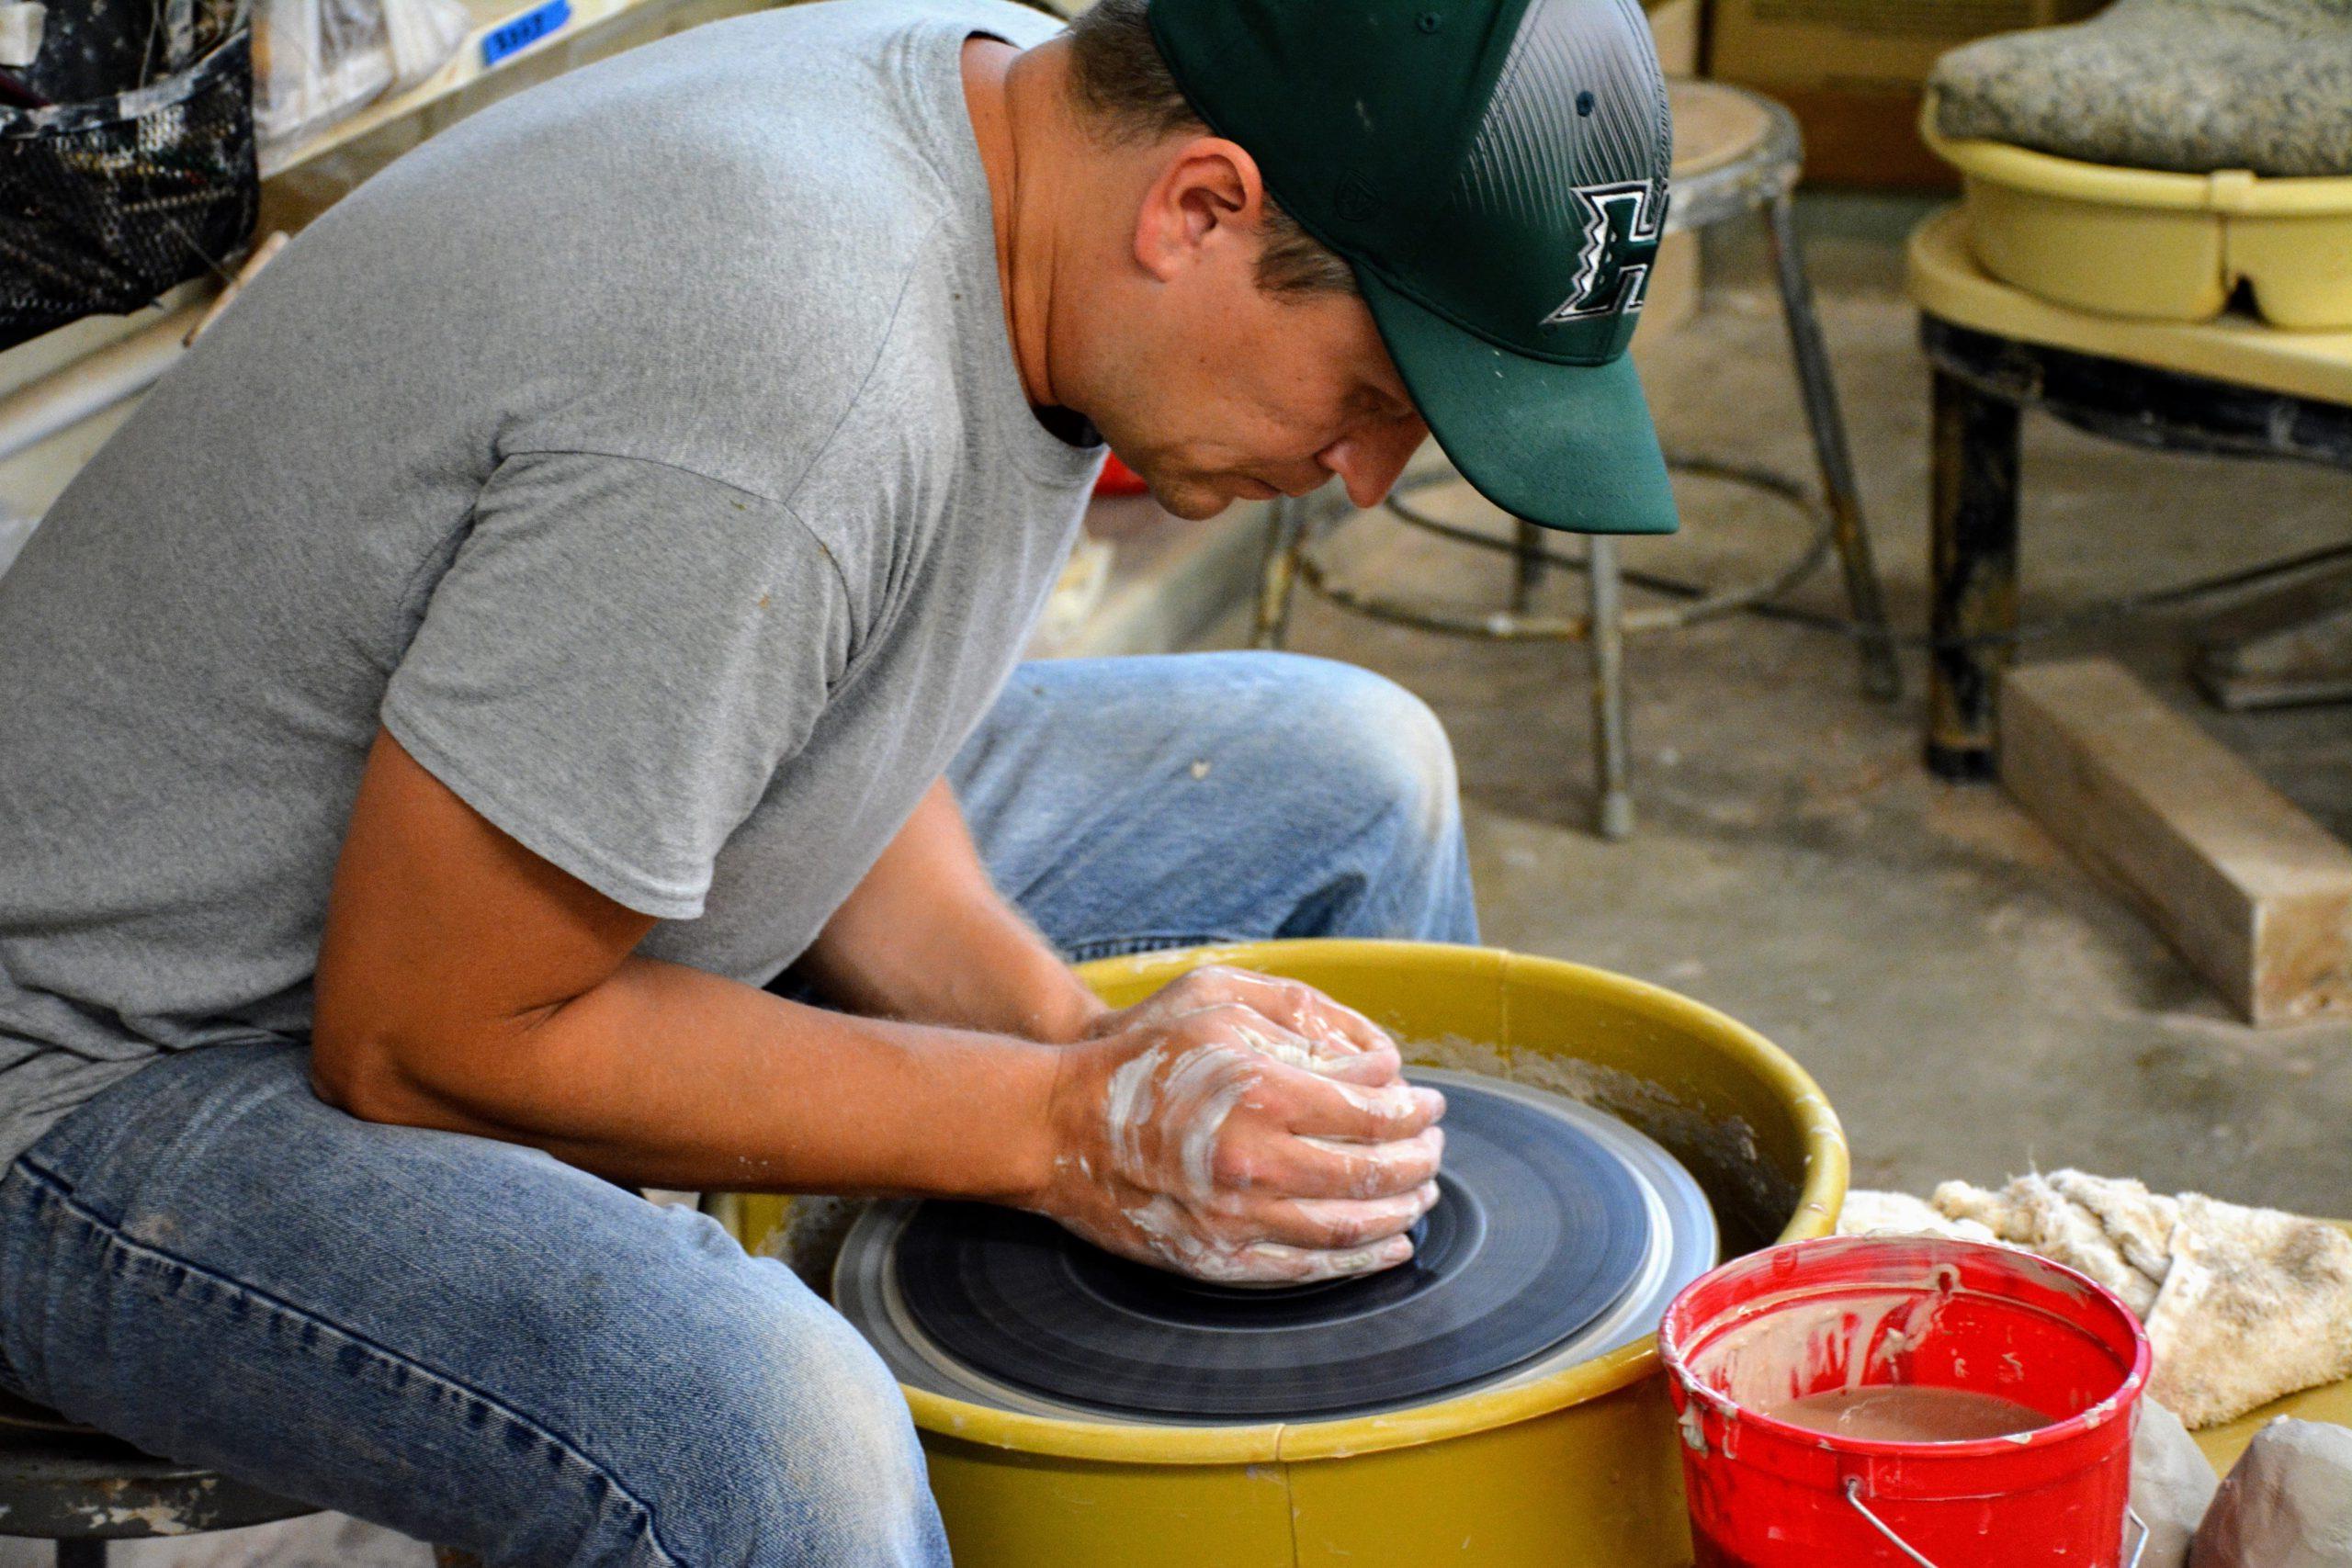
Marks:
<point>505,33</point>
<point>53,386</point>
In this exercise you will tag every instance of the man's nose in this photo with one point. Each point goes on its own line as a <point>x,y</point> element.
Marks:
<point>1369,461</point>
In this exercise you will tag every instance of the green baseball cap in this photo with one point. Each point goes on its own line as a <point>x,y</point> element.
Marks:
<point>1495,173</point>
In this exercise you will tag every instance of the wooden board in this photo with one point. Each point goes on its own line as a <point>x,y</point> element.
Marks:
<point>1674,30</point>
<point>2331,1403</point>
<point>1866,137</point>
<point>1673,297</point>
<point>1852,73</point>
<point>1808,43</point>
<point>2256,895</point>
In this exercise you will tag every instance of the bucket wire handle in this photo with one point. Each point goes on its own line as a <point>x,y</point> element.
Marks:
<point>1854,1497</point>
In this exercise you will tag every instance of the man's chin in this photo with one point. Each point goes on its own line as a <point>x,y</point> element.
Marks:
<point>1194,503</point>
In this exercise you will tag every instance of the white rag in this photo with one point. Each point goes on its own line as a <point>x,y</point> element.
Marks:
<point>21,31</point>
<point>2242,1305</point>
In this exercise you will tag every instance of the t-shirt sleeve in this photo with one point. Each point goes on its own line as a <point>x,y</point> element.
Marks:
<point>619,658</point>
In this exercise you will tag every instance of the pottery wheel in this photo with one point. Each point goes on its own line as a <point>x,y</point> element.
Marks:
<point>1559,1233</point>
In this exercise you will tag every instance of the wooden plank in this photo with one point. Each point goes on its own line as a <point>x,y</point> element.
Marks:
<point>2256,895</point>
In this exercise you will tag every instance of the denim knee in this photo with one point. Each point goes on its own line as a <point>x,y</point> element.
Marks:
<point>780,1439</point>
<point>1380,801</point>
<point>1385,756</point>
<point>1162,801</point>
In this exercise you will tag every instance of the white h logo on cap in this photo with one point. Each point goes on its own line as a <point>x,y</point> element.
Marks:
<point>1624,213</point>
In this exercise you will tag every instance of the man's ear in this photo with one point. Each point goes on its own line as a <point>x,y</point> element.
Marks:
<point>1208,196</point>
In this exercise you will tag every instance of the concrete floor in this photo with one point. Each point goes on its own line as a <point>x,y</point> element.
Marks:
<point>1973,1002</point>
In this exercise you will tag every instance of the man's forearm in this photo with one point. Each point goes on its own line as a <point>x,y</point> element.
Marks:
<point>668,1077</point>
<point>925,936</point>
<point>466,984</point>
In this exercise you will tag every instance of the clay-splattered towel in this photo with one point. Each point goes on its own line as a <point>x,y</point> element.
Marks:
<point>2242,1305</point>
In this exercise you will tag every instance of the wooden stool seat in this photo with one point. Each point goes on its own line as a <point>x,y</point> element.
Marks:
<point>1713,124</point>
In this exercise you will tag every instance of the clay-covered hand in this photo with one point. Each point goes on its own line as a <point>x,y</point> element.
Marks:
<point>1315,1031</point>
<point>1190,1139</point>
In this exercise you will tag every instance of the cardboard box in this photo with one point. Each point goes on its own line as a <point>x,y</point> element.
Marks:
<point>1674,28</point>
<point>1851,71</point>
<point>1673,296</point>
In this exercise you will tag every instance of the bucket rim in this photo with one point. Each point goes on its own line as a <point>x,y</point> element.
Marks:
<point>2118,1404</point>
<point>1815,1211</point>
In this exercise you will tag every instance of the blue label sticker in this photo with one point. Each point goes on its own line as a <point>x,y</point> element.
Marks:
<point>521,32</point>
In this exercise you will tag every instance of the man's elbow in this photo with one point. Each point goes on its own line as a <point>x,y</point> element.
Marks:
<point>368,1068</point>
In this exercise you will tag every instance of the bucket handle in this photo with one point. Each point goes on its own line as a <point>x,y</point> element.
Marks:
<point>1854,1497</point>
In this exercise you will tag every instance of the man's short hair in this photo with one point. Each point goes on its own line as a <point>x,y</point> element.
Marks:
<point>1124,87</point>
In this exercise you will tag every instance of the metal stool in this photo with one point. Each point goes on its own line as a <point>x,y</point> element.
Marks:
<point>1736,152</point>
<point>64,1483</point>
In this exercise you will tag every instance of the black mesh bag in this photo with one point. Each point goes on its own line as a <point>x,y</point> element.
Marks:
<point>138,174</point>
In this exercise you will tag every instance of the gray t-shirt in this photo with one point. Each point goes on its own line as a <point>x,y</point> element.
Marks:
<point>645,454</point>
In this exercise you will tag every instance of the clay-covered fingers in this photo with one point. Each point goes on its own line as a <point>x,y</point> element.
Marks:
<point>1372,1068</point>
<point>1299,1026</point>
<point>1333,1223</point>
<point>1209,1138</point>
<point>1324,1107</point>
<point>1340,1039</point>
<point>1236,1022</point>
<point>1272,1263</point>
<point>1309,1167</point>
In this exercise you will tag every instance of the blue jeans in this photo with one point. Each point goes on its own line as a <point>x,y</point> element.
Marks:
<point>475,1344</point>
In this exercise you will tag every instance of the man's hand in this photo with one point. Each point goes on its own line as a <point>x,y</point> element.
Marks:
<point>1337,1039</point>
<point>1201,1134</point>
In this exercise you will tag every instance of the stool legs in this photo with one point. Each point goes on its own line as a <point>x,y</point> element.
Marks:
<point>1278,578</point>
<point>1527,563</point>
<point>1972,568</point>
<point>1881,677</point>
<point>1614,816</point>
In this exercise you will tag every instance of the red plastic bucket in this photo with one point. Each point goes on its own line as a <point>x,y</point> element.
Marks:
<point>1848,1313</point>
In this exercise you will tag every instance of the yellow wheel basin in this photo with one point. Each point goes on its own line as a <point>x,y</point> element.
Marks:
<point>1576,1469</point>
<point>2152,245</point>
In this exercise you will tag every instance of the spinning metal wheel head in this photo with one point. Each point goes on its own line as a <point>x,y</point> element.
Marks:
<point>1560,1234</point>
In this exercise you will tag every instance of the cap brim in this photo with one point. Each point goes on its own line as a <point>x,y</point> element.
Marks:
<point>1565,445</point>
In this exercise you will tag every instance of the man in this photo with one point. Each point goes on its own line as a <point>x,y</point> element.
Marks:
<point>552,634</point>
